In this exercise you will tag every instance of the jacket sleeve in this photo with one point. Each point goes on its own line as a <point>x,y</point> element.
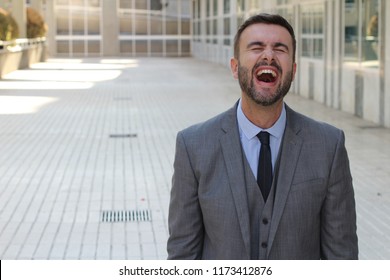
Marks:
<point>338,215</point>
<point>185,222</point>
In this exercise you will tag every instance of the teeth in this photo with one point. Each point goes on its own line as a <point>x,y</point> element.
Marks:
<point>267,71</point>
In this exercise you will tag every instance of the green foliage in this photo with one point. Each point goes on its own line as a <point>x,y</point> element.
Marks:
<point>36,26</point>
<point>8,27</point>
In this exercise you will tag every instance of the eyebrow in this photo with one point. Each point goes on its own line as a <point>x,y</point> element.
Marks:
<point>262,44</point>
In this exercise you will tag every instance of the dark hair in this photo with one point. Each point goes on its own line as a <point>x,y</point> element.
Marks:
<point>267,19</point>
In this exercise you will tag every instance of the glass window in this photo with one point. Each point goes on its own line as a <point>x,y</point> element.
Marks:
<point>141,4</point>
<point>287,13</point>
<point>141,24</point>
<point>240,19</point>
<point>361,31</point>
<point>125,4</point>
<point>172,46</point>
<point>185,27</point>
<point>254,4</point>
<point>226,31</point>
<point>215,31</point>
<point>370,31</point>
<point>312,26</point>
<point>78,46</point>
<point>141,47</point>
<point>94,3</point>
<point>208,30</point>
<point>306,47</point>
<point>78,23</point>
<point>240,6</point>
<point>198,8</point>
<point>62,22</point>
<point>172,26</point>
<point>156,26</point>
<point>318,45</point>
<point>215,7</point>
<point>186,47</point>
<point>62,47</point>
<point>156,46</point>
<point>351,30</point>
<point>306,22</point>
<point>226,6</point>
<point>94,47</point>
<point>93,23</point>
<point>185,9</point>
<point>63,2</point>
<point>77,2</point>
<point>208,27</point>
<point>125,26</point>
<point>156,5</point>
<point>126,46</point>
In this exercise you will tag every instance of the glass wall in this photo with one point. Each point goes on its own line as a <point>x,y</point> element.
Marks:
<point>312,22</point>
<point>241,10</point>
<point>145,27</point>
<point>361,28</point>
<point>78,27</point>
<point>196,13</point>
<point>226,22</point>
<point>154,27</point>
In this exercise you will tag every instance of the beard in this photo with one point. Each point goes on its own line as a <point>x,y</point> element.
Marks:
<point>263,98</point>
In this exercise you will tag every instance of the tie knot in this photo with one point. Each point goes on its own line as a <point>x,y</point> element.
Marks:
<point>264,137</point>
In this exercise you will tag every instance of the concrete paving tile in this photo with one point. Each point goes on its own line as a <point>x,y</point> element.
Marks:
<point>60,168</point>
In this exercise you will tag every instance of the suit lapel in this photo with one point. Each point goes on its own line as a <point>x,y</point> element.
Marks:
<point>289,156</point>
<point>232,153</point>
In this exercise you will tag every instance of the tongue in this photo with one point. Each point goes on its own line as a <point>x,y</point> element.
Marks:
<point>266,78</point>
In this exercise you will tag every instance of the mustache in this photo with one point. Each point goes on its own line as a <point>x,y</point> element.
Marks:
<point>263,63</point>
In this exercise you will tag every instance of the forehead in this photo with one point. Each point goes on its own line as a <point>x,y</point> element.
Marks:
<point>266,33</point>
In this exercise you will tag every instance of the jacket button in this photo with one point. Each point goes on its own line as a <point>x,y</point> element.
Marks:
<point>264,245</point>
<point>265,221</point>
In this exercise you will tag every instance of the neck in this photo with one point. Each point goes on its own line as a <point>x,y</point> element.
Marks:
<point>261,116</point>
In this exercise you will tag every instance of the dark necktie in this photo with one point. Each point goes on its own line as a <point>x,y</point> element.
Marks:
<point>264,171</point>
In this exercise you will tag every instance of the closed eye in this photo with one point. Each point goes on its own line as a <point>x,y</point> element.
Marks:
<point>280,47</point>
<point>258,49</point>
<point>280,50</point>
<point>256,46</point>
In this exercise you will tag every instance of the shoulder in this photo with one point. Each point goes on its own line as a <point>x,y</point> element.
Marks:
<point>211,128</point>
<point>312,129</point>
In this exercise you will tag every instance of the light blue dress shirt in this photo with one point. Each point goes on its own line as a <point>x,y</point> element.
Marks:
<point>251,144</point>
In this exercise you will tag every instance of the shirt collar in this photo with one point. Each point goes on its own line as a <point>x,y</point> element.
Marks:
<point>250,130</point>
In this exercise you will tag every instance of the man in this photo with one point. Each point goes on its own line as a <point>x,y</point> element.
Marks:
<point>295,200</point>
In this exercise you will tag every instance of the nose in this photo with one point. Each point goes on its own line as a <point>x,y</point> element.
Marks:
<point>268,54</point>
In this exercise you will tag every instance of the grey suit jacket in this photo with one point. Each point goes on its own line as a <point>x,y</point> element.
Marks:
<point>314,209</point>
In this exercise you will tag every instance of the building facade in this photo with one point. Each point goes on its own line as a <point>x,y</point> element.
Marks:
<point>118,27</point>
<point>343,46</point>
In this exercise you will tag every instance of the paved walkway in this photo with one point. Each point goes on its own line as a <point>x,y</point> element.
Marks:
<point>86,152</point>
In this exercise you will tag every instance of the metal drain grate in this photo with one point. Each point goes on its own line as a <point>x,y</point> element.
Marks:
<point>123,98</point>
<point>130,135</point>
<point>110,216</point>
<point>370,127</point>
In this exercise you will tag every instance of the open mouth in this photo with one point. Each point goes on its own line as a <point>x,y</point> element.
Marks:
<point>266,76</point>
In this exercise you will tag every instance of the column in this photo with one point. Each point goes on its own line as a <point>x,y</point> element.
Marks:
<point>49,14</point>
<point>18,10</point>
<point>385,70</point>
<point>110,28</point>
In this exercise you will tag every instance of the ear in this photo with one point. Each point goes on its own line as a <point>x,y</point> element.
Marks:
<point>234,67</point>
<point>294,70</point>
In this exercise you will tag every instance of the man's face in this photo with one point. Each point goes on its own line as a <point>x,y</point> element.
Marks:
<point>265,67</point>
